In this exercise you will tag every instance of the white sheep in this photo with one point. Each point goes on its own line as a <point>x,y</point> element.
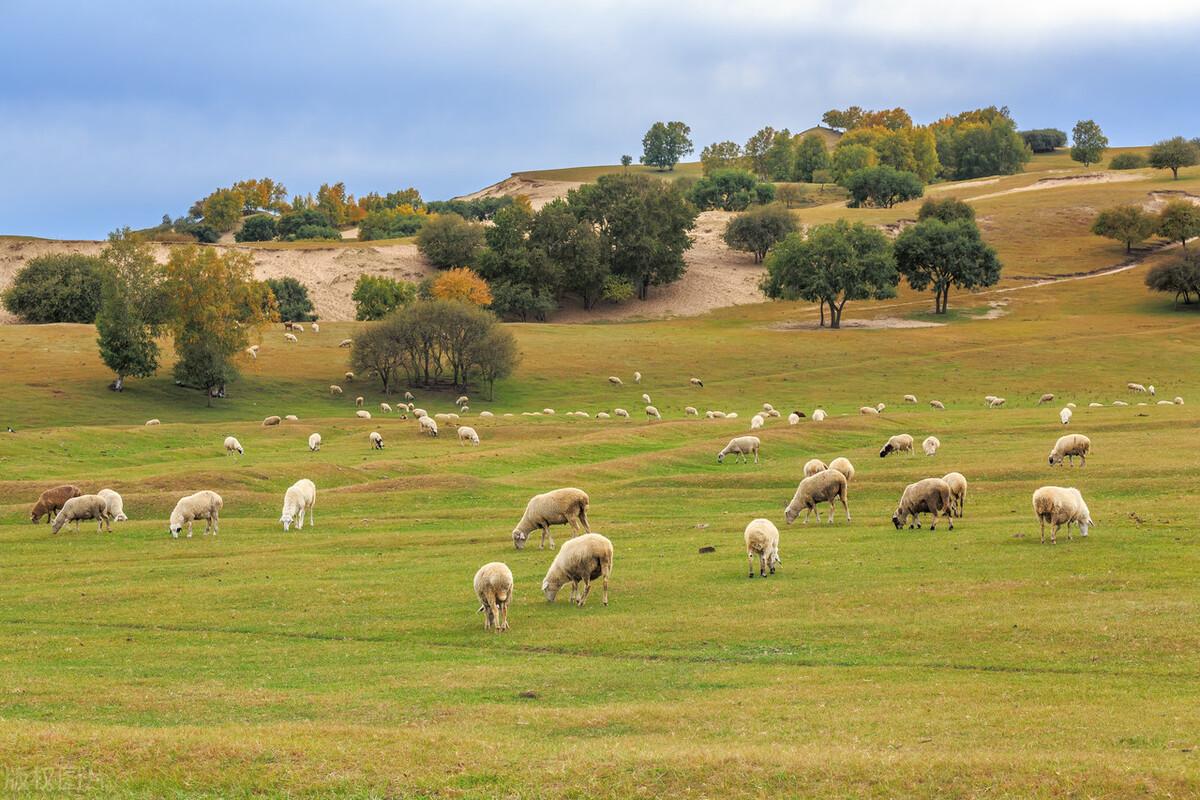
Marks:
<point>1120,403</point>
<point>334,389</point>
<point>637,377</point>
<point>880,407</point>
<point>203,505</point>
<point>938,404</point>
<point>1071,406</point>
<point>488,414</point>
<point>868,411</point>
<point>615,381</point>
<point>715,415</point>
<point>931,495</point>
<point>1150,389</point>
<point>620,412</point>
<point>741,446</point>
<point>690,411</point>
<point>843,465</point>
<point>756,422</point>
<point>1046,398</point>
<point>359,401</point>
<point>900,443</point>
<point>828,486</point>
<point>910,398</point>
<point>419,412</point>
<point>731,415</point>
<point>1095,405</point>
<point>116,506</point>
<point>85,506</point>
<point>155,421</point>
<point>958,492</point>
<point>646,399</point>
<point>819,415</point>
<point>813,466</point>
<point>1060,506</point>
<point>1135,387</point>
<point>290,337</point>
<point>581,560</point>
<point>997,402</point>
<point>462,400</point>
<point>652,412</point>
<point>250,351</point>
<point>931,445</point>
<point>494,587</point>
<point>376,440</point>
<point>314,442</point>
<point>464,409</point>
<point>599,415</point>
<point>291,418</point>
<point>296,326</point>
<point>362,414</point>
<point>762,539</point>
<point>232,445</point>
<point>566,506</point>
<point>428,425</point>
<point>1178,401</point>
<point>385,408</point>
<point>409,396</point>
<point>988,398</point>
<point>316,328</point>
<point>299,499</point>
<point>548,411</point>
<point>1064,416</point>
<point>696,382</point>
<point>467,434</point>
<point>272,421</point>
<point>773,413</point>
<point>768,407</point>
<point>1069,446</point>
<point>346,343</point>
<point>794,418</point>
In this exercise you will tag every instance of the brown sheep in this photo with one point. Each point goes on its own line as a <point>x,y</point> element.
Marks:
<point>50,501</point>
<point>931,495</point>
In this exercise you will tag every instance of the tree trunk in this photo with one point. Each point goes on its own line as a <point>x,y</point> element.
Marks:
<point>835,316</point>
<point>822,313</point>
<point>119,384</point>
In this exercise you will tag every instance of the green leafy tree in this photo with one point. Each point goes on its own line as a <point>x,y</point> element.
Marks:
<point>1179,221</point>
<point>729,190</point>
<point>851,158</point>
<point>1180,277</point>
<point>222,209</point>
<point>940,254</point>
<point>882,187</point>
<point>811,155</point>
<point>376,296</point>
<point>1173,154</point>
<point>1129,225</point>
<point>756,149</point>
<point>521,301</point>
<point>573,248</point>
<point>843,120</point>
<point>1128,161</point>
<point>1044,140</point>
<point>720,155</point>
<point>292,223</point>
<point>133,308</point>
<point>1088,142</point>
<point>257,228</point>
<point>780,158</point>
<point>626,160</point>
<point>833,264</point>
<point>389,223</point>
<point>977,144</point>
<point>494,356</point>
<point>378,352</point>
<point>292,300</point>
<point>947,209</point>
<point>56,288</point>
<point>448,240</point>
<point>758,229</point>
<point>665,144</point>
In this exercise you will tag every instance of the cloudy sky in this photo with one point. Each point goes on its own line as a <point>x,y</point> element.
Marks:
<point>114,113</point>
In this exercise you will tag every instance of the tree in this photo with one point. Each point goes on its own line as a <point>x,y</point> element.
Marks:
<point>979,143</point>
<point>882,186</point>
<point>291,297</point>
<point>378,351</point>
<point>944,254</point>
<point>448,240</point>
<point>464,285</point>
<point>257,228</point>
<point>1174,153</point>
<point>521,301</point>
<point>833,264</point>
<point>1088,142</point>
<point>1179,276</point>
<point>780,159</point>
<point>759,229</point>
<point>294,224</point>
<point>842,120</point>
<point>1179,221</point>
<point>217,305</point>
<point>1128,224</point>
<point>726,189</point>
<point>665,143</point>
<point>756,149</point>
<point>390,223</point>
<point>376,296</point>
<point>811,155</point>
<point>720,155</point>
<point>133,307</point>
<point>947,209</point>
<point>1044,140</point>
<point>222,209</point>
<point>626,160</point>
<point>56,288</point>
<point>568,249</point>
<point>850,158</point>
<point>495,356</point>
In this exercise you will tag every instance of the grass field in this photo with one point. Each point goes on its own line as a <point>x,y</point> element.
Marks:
<point>347,660</point>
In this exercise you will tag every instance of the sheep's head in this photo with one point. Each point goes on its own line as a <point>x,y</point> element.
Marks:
<point>790,515</point>
<point>1055,459</point>
<point>286,519</point>
<point>36,514</point>
<point>59,521</point>
<point>121,517</point>
<point>1087,523</point>
<point>550,590</point>
<point>897,520</point>
<point>887,448</point>
<point>519,538</point>
<point>721,457</point>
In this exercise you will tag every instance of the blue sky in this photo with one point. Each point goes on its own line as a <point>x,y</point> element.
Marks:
<point>115,113</point>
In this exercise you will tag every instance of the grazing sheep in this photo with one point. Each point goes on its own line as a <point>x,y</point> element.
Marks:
<point>1060,506</point>
<point>988,398</point>
<point>1178,401</point>
<point>828,486</point>
<point>1135,387</point>
<point>408,395</point>
<point>346,343</point>
<point>291,418</point>
<point>203,505</point>
<point>880,407</point>
<point>583,559</point>
<point>1071,406</point>
<point>494,588</point>
<point>773,413</point>
<point>843,465</point>
<point>620,412</point>
<point>938,404</point>
<point>232,445</point>
<point>958,492</point>
<point>300,497</point>
<point>931,445</point>
<point>1120,403</point>
<point>428,425</point>
<point>768,407</point>
<point>1150,389</point>
<point>465,409</point>
<point>931,495</point>
<point>462,400</point>
<point>599,415</point>
<point>290,337</point>
<point>271,421</point>
<point>690,411</point>
<point>358,401</point>
<point>85,506</point>
<point>900,443</point>
<point>316,328</point>
<point>910,398</point>
<point>50,501</point>
<point>296,326</point>
<point>154,421</point>
<point>385,408</point>
<point>740,446</point>
<point>762,539</point>
<point>1165,403</point>
<point>349,376</point>
<point>314,442</point>
<point>1069,446</point>
<point>558,507</point>
<point>813,466</point>
<point>362,414</point>
<point>818,415</point>
<point>419,412</point>
<point>1064,416</point>
<point>652,412</point>
<point>548,411</point>
<point>868,411</point>
<point>1095,405</point>
<point>250,351</point>
<point>334,389</point>
<point>487,414</point>
<point>466,434</point>
<point>731,415</point>
<point>696,382</point>
<point>615,381</point>
<point>442,417</point>
<point>997,402</point>
<point>794,418</point>
<point>637,377</point>
<point>1046,398</point>
<point>715,415</point>
<point>757,422</point>
<point>116,506</point>
<point>646,399</point>
<point>376,440</point>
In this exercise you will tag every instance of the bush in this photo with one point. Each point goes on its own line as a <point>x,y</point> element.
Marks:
<point>290,223</point>
<point>462,284</point>
<point>1180,277</point>
<point>257,228</point>
<point>479,209</point>
<point>56,288</point>
<point>389,224</point>
<point>617,289</point>
<point>520,301</point>
<point>376,296</point>
<point>729,190</point>
<point>822,176</point>
<point>947,210</point>
<point>1128,161</point>
<point>882,187</point>
<point>198,231</point>
<point>1044,140</point>
<point>316,232</point>
<point>448,240</point>
<point>291,296</point>
<point>759,229</point>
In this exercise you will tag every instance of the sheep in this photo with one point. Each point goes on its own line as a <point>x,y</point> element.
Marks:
<point>652,413</point>
<point>334,389</point>
<point>50,501</point>
<point>1164,403</point>
<point>938,404</point>
<point>1060,506</point>
<point>1095,405</point>
<point>1064,416</point>
<point>203,505</point>
<point>843,465</point>
<point>813,466</point>
<point>818,415</point>
<point>232,445</point>
<point>346,343</point>
<point>155,421</point>
<point>1069,446</point>
<point>494,588</point>
<point>250,351</point>
<point>85,506</point>
<point>731,415</point>
<point>428,425</point>
<point>1120,403</point>
<point>1178,401</point>
<point>637,377</point>
<point>290,337</point>
<point>467,434</point>
<point>548,411</point>
<point>646,399</point>
<point>1071,406</point>
<point>1150,389</point>
<point>690,411</point>
<point>462,400</point>
<point>271,421</point>
<point>362,414</point>
<point>488,414</point>
<point>756,422</point>
<point>385,408</point>
<point>557,507</point>
<point>988,398</point>
<point>794,418</point>
<point>1135,387</point>
<point>442,417</point>
<point>582,559</point>
<point>376,440</point>
<point>828,486</point>
<point>464,409</point>
<point>253,348</point>
<point>773,413</point>
<point>931,445</point>
<point>880,407</point>
<point>316,328</point>
<point>116,506</point>
<point>910,398</point>
<point>740,446</point>
<point>930,495</point>
<point>314,442</point>
<point>620,412</point>
<point>900,443</point>
<point>868,411</point>
<point>768,407</point>
<point>696,382</point>
<point>300,497</point>
<point>358,401</point>
<point>997,402</point>
<point>958,492</point>
<point>419,412</point>
<point>291,418</point>
<point>1046,398</point>
<point>408,396</point>
<point>762,539</point>
<point>615,381</point>
<point>296,326</point>
<point>716,415</point>
<point>599,415</point>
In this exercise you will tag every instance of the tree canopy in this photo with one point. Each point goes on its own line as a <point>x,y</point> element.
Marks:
<point>1129,224</point>
<point>758,229</point>
<point>944,254</point>
<point>448,240</point>
<point>881,186</point>
<point>1174,154</point>
<point>58,287</point>
<point>134,306</point>
<point>1088,142</point>
<point>665,144</point>
<point>1179,221</point>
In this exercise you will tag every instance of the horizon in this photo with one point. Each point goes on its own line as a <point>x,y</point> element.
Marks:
<point>114,123</point>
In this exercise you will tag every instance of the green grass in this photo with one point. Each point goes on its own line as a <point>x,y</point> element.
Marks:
<point>684,169</point>
<point>348,661</point>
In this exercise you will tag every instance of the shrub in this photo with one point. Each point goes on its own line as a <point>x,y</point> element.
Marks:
<point>1173,154</point>
<point>448,240</point>
<point>946,209</point>
<point>617,289</point>
<point>1127,161</point>
<point>1129,225</point>
<point>376,296</point>
<point>316,232</point>
<point>389,223</point>
<point>290,223</point>
<point>882,187</point>
<point>197,231</point>
<point>258,228</point>
<point>56,288</point>
<point>729,190</point>
<point>1180,277</point>
<point>822,176</point>
<point>478,209</point>
<point>759,229</point>
<point>291,296</point>
<point>462,284</point>
<point>1044,140</point>
<point>521,301</point>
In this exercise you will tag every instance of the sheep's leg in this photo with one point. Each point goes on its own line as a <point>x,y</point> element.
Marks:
<point>494,613</point>
<point>845,506</point>
<point>604,576</point>
<point>807,511</point>
<point>216,523</point>
<point>574,591</point>
<point>189,529</point>
<point>583,519</point>
<point>762,563</point>
<point>832,507</point>
<point>750,558</point>
<point>1082,461</point>
<point>1054,533</point>
<point>587,588</point>
<point>756,455</point>
<point>504,616</point>
<point>1042,522</point>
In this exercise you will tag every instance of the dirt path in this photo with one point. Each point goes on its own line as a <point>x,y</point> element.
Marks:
<point>1076,180</point>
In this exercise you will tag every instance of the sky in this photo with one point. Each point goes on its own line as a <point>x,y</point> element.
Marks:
<point>115,113</point>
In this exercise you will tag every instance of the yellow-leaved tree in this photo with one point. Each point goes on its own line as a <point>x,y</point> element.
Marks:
<point>464,285</point>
